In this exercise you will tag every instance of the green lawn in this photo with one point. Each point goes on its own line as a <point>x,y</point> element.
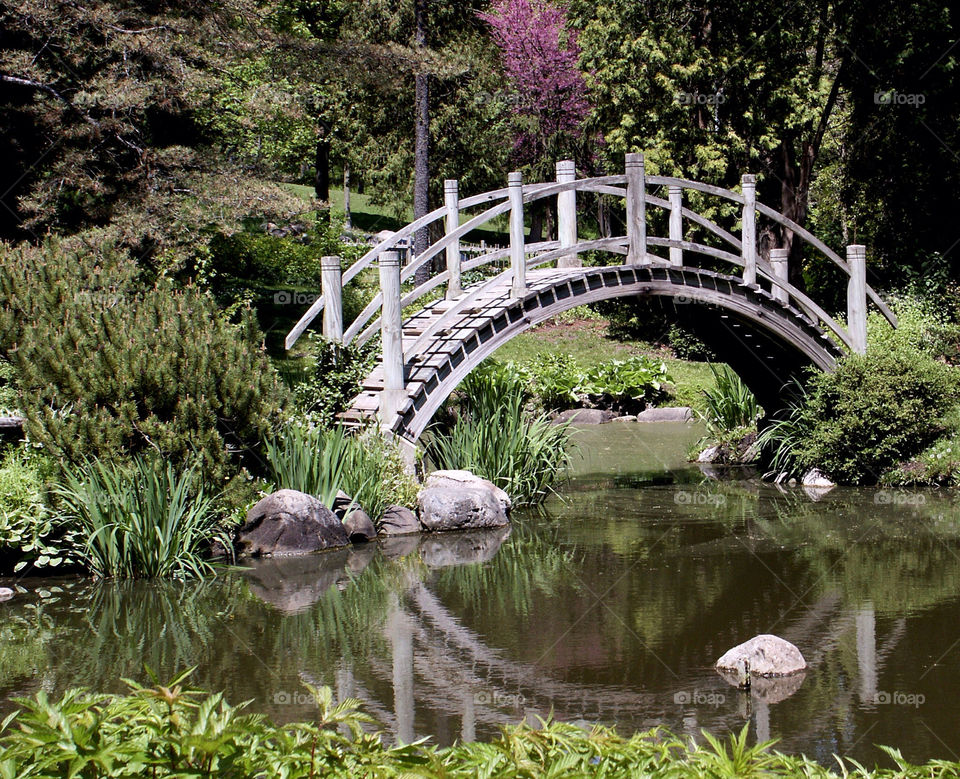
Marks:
<point>372,218</point>
<point>586,340</point>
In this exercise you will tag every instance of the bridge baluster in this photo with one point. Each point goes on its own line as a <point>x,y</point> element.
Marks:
<point>391,336</point>
<point>636,209</point>
<point>332,288</point>
<point>676,223</point>
<point>779,260</point>
<point>451,199</point>
<point>518,255</point>
<point>857,297</point>
<point>567,214</point>
<point>748,235</point>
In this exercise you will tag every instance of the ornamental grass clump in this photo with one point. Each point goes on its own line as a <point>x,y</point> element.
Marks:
<point>323,461</point>
<point>495,437</point>
<point>145,520</point>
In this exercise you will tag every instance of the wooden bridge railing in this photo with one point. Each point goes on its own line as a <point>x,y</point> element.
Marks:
<point>633,185</point>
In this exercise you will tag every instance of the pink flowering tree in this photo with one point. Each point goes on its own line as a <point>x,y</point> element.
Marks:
<point>540,58</point>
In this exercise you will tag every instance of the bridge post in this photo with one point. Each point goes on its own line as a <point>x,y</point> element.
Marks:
<point>451,198</point>
<point>676,222</point>
<point>857,297</point>
<point>778,260</point>
<point>391,335</point>
<point>332,288</point>
<point>518,255</point>
<point>636,209</point>
<point>748,233</point>
<point>567,214</point>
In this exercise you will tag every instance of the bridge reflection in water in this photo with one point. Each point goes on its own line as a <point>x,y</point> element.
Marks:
<point>611,608</point>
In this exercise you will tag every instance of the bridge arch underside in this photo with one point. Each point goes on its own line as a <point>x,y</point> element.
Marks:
<point>767,342</point>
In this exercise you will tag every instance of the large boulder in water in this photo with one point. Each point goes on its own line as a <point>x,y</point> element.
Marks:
<point>288,522</point>
<point>767,655</point>
<point>457,479</point>
<point>460,508</point>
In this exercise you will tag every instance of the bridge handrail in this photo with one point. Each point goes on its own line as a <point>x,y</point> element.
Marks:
<point>617,185</point>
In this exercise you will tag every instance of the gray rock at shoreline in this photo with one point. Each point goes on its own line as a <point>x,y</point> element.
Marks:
<point>457,479</point>
<point>709,455</point>
<point>359,526</point>
<point>288,522</point>
<point>460,508</point>
<point>768,655</point>
<point>666,414</point>
<point>817,478</point>
<point>398,521</point>
<point>584,416</point>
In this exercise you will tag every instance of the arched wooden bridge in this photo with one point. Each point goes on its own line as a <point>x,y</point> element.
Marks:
<point>741,304</point>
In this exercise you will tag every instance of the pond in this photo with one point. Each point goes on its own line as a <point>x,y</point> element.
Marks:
<point>611,605</point>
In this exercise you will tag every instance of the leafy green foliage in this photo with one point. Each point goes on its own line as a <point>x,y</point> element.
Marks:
<point>376,474</point>
<point>494,437</point>
<point>170,729</point>
<point>110,366</point>
<point>873,412</point>
<point>28,530</point>
<point>730,404</point>
<point>334,378</point>
<point>557,382</point>
<point>148,520</point>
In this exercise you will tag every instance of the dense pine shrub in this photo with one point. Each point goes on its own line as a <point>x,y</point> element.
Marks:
<point>111,364</point>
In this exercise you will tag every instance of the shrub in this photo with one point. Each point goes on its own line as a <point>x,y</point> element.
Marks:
<point>730,404</point>
<point>143,521</point>
<point>173,730</point>
<point>493,437</point>
<point>873,412</point>
<point>376,474</point>
<point>111,366</point>
<point>627,384</point>
<point>923,327</point>
<point>334,378</point>
<point>28,532</point>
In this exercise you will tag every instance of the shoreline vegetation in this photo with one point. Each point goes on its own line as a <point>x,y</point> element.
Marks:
<point>171,729</point>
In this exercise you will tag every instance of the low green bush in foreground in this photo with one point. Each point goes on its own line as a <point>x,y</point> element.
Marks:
<point>170,730</point>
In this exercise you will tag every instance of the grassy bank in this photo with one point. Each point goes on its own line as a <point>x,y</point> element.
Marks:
<point>173,731</point>
<point>587,341</point>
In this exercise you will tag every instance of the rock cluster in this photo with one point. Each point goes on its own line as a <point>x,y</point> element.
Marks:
<point>288,522</point>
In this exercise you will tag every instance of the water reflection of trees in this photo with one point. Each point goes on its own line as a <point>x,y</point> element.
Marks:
<point>468,620</point>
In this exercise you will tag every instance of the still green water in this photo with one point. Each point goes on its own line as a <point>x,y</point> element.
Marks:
<point>611,605</point>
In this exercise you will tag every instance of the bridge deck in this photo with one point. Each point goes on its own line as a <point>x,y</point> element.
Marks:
<point>447,338</point>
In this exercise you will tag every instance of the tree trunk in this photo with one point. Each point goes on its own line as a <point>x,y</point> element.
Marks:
<point>603,217</point>
<point>347,219</point>
<point>421,153</point>
<point>321,183</point>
